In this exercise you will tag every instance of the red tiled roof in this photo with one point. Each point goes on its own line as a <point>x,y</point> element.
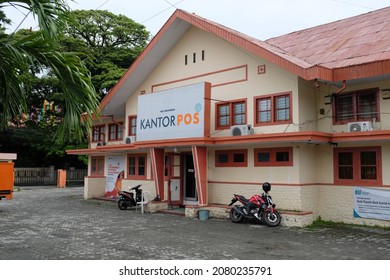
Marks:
<point>352,48</point>
<point>353,41</point>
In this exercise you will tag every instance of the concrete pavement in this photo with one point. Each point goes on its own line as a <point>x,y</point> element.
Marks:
<point>51,223</point>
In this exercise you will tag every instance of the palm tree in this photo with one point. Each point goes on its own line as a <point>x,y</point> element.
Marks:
<point>40,51</point>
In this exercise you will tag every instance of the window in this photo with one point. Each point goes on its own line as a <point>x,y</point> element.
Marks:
<point>132,126</point>
<point>230,113</point>
<point>358,166</point>
<point>115,132</point>
<point>356,106</point>
<point>137,166</point>
<point>97,166</point>
<point>274,157</point>
<point>231,158</point>
<point>274,109</point>
<point>98,133</point>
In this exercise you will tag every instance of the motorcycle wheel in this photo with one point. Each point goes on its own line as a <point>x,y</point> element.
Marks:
<point>122,205</point>
<point>235,216</point>
<point>272,219</point>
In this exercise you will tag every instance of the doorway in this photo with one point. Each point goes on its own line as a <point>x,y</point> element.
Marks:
<point>190,192</point>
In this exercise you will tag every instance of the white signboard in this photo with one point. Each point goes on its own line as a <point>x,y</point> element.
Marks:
<point>172,114</point>
<point>115,169</point>
<point>371,203</point>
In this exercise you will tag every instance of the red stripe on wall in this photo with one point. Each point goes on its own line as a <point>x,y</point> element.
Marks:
<point>200,165</point>
<point>157,159</point>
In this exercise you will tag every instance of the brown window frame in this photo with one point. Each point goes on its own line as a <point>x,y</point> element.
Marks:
<point>231,115</point>
<point>230,158</point>
<point>273,156</point>
<point>115,129</point>
<point>136,174</point>
<point>356,166</point>
<point>101,130</point>
<point>130,126</point>
<point>97,166</point>
<point>354,107</point>
<point>273,109</point>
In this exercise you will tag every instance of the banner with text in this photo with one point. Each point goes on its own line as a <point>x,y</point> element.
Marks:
<point>172,114</point>
<point>371,203</point>
<point>115,173</point>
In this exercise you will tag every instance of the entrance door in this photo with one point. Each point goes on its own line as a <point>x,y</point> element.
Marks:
<point>190,193</point>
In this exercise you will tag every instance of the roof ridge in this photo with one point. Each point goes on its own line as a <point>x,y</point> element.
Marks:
<point>304,56</point>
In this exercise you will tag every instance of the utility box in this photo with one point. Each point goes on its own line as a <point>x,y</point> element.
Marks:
<point>7,175</point>
<point>61,178</point>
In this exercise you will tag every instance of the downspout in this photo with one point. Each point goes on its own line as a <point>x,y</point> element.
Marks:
<point>342,88</point>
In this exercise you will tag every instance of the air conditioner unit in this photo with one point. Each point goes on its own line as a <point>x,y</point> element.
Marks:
<point>242,129</point>
<point>130,140</point>
<point>360,126</point>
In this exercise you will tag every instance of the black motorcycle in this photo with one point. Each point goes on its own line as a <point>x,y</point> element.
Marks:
<point>126,198</point>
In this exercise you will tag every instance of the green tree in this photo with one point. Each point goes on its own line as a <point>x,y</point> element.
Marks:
<point>40,52</point>
<point>107,44</point>
<point>110,44</point>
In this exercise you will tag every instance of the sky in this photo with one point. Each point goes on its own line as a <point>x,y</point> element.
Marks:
<point>262,19</point>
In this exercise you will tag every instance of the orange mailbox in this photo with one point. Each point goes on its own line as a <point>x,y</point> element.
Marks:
<point>6,175</point>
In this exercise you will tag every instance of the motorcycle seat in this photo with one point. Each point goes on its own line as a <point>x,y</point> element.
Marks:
<point>242,198</point>
<point>126,192</point>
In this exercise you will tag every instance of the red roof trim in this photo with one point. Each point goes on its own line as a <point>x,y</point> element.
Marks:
<point>138,61</point>
<point>306,136</point>
<point>264,49</point>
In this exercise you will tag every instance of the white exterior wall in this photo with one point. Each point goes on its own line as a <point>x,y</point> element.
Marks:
<point>305,186</point>
<point>94,187</point>
<point>306,106</point>
<point>147,185</point>
<point>217,69</point>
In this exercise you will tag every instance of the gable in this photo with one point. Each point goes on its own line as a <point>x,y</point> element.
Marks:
<point>291,52</point>
<point>201,56</point>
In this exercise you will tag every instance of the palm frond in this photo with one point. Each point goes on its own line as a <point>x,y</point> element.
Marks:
<point>78,92</point>
<point>50,14</point>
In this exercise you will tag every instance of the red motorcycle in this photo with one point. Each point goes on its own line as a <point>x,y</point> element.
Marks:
<point>257,207</point>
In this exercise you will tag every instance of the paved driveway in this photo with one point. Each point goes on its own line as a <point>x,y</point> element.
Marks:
<point>51,223</point>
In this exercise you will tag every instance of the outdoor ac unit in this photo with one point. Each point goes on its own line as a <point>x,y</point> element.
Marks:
<point>242,129</point>
<point>360,126</point>
<point>130,140</point>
